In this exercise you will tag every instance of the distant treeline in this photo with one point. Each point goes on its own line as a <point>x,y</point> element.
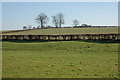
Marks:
<point>92,26</point>
<point>89,26</point>
<point>58,20</point>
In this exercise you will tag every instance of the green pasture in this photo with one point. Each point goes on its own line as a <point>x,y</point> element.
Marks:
<point>61,31</point>
<point>7,31</point>
<point>59,59</point>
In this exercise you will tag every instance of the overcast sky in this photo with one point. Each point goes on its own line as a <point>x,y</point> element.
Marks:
<point>17,14</point>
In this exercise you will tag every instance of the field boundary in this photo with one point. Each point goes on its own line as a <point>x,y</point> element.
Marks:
<point>62,37</point>
<point>60,28</point>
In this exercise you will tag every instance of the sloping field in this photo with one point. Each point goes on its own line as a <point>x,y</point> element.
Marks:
<point>62,31</point>
<point>65,59</point>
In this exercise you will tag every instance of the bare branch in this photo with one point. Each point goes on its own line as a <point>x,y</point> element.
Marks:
<point>76,22</point>
<point>42,19</point>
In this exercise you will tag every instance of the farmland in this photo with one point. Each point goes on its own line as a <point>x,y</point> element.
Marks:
<point>59,40</point>
<point>60,59</point>
<point>62,31</point>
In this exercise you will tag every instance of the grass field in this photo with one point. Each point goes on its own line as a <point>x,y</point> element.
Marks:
<point>7,31</point>
<point>62,31</point>
<point>60,59</point>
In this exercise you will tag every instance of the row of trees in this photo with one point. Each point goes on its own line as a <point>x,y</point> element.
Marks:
<point>57,20</point>
<point>25,27</point>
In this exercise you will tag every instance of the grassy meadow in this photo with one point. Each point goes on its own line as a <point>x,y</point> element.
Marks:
<point>59,59</point>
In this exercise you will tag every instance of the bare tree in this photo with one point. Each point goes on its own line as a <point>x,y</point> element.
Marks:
<point>38,27</point>
<point>42,19</point>
<point>33,27</point>
<point>55,21</point>
<point>29,27</point>
<point>24,27</point>
<point>60,19</point>
<point>75,22</point>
